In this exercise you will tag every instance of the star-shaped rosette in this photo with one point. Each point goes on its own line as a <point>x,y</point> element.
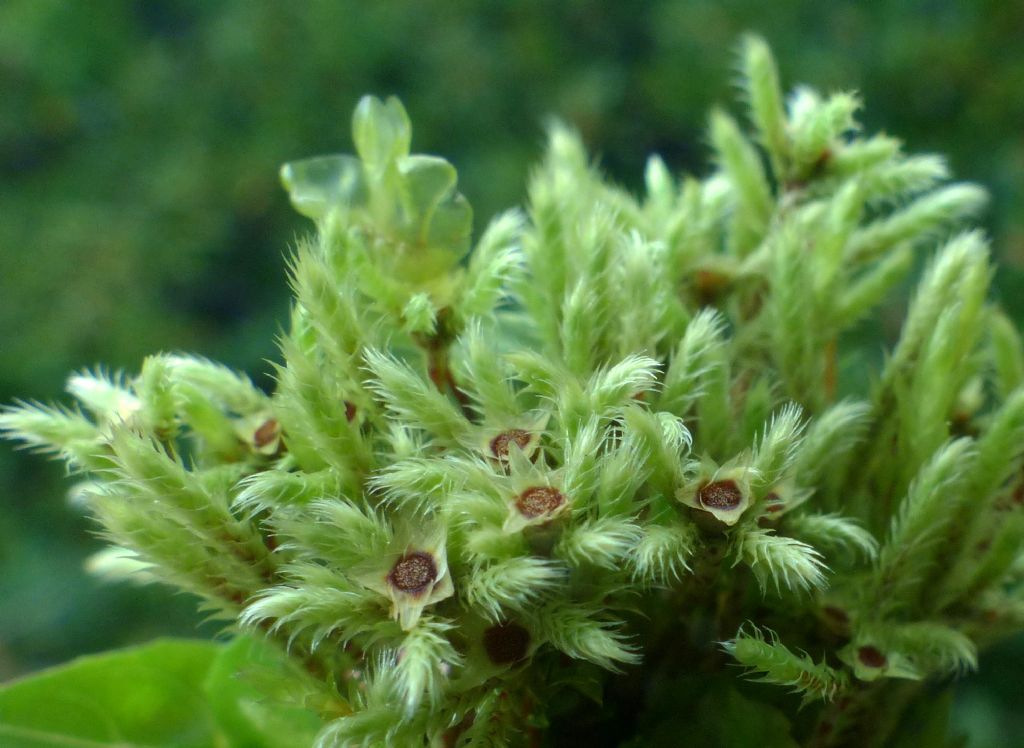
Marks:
<point>494,649</point>
<point>722,491</point>
<point>781,499</point>
<point>495,438</point>
<point>870,661</point>
<point>413,573</point>
<point>535,496</point>
<point>261,432</point>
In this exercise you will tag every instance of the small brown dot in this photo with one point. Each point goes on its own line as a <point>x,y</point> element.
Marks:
<point>500,443</point>
<point>506,643</point>
<point>413,572</point>
<point>723,494</point>
<point>350,411</point>
<point>836,614</point>
<point>871,657</point>
<point>266,433</point>
<point>822,161</point>
<point>709,286</point>
<point>539,500</point>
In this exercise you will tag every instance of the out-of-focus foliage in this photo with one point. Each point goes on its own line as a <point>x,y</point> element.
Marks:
<point>135,136</point>
<point>471,480</point>
<point>84,701</point>
<point>182,693</point>
<point>140,208</point>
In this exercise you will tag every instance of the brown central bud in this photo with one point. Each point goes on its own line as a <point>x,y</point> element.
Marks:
<point>506,643</point>
<point>871,657</point>
<point>723,494</point>
<point>533,502</point>
<point>709,285</point>
<point>838,615</point>
<point>413,572</point>
<point>266,433</point>
<point>500,443</point>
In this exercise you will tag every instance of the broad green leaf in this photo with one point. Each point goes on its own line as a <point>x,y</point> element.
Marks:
<point>419,224</point>
<point>744,721</point>
<point>427,181</point>
<point>926,724</point>
<point>134,698</point>
<point>381,131</point>
<point>708,711</point>
<point>316,185</point>
<point>255,697</point>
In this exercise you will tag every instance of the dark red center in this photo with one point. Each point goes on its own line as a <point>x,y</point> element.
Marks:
<point>413,572</point>
<point>871,657</point>
<point>506,643</point>
<point>836,614</point>
<point>723,494</point>
<point>500,443</point>
<point>539,500</point>
<point>266,433</point>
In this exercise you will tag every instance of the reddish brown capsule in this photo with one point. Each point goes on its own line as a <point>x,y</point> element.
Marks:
<point>836,615</point>
<point>773,505</point>
<point>709,286</point>
<point>723,494</point>
<point>350,411</point>
<point>871,657</point>
<point>821,162</point>
<point>266,433</point>
<point>500,444</point>
<point>413,572</point>
<point>539,500</point>
<point>270,541</point>
<point>506,643</point>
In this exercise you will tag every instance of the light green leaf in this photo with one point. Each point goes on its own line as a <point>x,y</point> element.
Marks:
<point>133,698</point>
<point>381,130</point>
<point>318,184</point>
<point>717,716</point>
<point>246,690</point>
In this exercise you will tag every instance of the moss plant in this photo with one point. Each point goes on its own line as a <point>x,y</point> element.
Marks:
<point>584,479</point>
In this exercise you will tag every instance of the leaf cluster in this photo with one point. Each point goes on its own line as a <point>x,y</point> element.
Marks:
<point>597,446</point>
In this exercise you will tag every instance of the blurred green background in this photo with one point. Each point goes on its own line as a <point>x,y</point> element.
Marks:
<point>140,208</point>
